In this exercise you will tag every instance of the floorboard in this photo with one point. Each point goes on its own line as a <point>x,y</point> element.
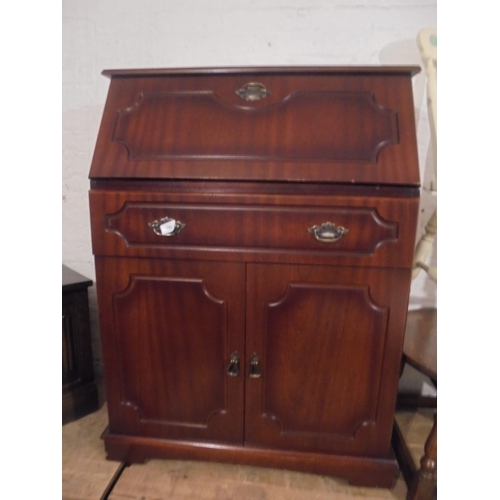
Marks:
<point>85,471</point>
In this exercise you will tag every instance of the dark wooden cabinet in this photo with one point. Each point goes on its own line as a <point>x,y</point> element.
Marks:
<point>253,232</point>
<point>171,327</point>
<point>323,335</point>
<point>79,391</point>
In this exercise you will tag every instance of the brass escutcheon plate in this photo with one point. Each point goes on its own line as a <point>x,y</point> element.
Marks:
<point>253,91</point>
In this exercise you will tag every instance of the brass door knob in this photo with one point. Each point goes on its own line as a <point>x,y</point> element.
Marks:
<point>233,368</point>
<point>253,91</point>
<point>255,369</point>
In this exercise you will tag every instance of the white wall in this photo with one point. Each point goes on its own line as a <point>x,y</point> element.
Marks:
<point>108,34</point>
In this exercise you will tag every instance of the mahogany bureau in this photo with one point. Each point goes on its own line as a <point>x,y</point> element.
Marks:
<point>253,232</point>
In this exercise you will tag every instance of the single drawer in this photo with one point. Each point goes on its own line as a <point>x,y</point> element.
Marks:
<point>153,224</point>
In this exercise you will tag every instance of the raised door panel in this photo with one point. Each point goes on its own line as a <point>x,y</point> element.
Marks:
<point>168,332</point>
<point>329,342</point>
<point>283,134</point>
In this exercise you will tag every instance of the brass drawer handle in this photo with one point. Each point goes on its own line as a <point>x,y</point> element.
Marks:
<point>233,368</point>
<point>328,232</point>
<point>253,91</point>
<point>166,226</point>
<point>255,370</point>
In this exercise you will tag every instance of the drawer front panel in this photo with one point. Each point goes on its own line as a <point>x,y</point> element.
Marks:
<point>349,228</point>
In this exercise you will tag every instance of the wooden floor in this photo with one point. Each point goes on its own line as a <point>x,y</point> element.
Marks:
<point>87,475</point>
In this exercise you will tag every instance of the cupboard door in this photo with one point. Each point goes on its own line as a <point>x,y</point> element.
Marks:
<point>169,329</point>
<point>328,342</point>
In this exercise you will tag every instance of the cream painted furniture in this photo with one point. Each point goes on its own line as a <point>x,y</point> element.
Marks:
<point>420,345</point>
<point>427,44</point>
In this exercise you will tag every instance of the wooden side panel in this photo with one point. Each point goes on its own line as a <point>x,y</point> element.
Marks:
<point>76,347</point>
<point>70,347</point>
<point>79,391</point>
<point>329,341</point>
<point>168,330</point>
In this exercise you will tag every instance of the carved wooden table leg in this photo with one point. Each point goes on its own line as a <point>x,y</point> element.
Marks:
<point>424,485</point>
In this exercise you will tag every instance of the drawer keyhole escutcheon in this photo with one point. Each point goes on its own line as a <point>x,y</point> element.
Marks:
<point>233,368</point>
<point>253,91</point>
<point>166,226</point>
<point>255,370</point>
<point>328,232</point>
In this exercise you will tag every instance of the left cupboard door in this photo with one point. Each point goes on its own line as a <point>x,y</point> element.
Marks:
<point>172,336</point>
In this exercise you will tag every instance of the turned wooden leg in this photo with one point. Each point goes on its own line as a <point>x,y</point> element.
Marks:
<point>424,484</point>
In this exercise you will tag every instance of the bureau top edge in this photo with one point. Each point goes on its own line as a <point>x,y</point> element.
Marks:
<point>264,70</point>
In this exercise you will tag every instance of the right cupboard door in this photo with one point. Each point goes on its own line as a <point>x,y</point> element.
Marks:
<point>326,349</point>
